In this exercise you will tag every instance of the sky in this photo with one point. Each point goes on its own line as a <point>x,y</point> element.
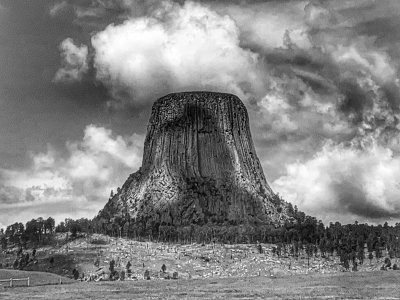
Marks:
<point>320,80</point>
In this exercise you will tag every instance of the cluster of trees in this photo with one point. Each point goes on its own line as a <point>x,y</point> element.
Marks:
<point>23,259</point>
<point>82,225</point>
<point>36,231</point>
<point>41,231</point>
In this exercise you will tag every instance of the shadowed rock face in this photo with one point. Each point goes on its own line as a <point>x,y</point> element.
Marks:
<point>199,167</point>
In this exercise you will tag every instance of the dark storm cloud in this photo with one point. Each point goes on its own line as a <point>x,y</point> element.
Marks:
<point>355,100</point>
<point>352,199</point>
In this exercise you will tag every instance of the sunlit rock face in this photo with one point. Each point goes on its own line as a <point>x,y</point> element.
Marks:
<point>199,167</point>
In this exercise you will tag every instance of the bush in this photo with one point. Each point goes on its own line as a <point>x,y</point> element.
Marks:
<point>175,275</point>
<point>128,265</point>
<point>146,275</point>
<point>97,262</point>
<point>388,263</point>
<point>114,275</point>
<point>15,264</point>
<point>75,274</point>
<point>112,265</point>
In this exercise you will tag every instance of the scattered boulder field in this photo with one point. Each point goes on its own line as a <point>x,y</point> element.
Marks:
<point>90,257</point>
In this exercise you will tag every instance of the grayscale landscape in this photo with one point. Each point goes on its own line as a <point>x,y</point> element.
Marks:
<point>199,149</point>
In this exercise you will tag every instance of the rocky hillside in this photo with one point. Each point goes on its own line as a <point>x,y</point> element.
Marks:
<point>199,167</point>
<point>189,260</point>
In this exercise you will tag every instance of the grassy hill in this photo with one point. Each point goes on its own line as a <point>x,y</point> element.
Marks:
<point>190,261</point>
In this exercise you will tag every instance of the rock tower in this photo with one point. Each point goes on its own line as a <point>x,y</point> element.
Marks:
<point>199,167</point>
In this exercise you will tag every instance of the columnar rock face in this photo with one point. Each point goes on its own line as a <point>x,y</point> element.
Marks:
<point>199,167</point>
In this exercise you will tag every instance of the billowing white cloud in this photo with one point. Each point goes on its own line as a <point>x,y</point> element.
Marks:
<point>74,62</point>
<point>82,179</point>
<point>101,162</point>
<point>175,48</point>
<point>345,183</point>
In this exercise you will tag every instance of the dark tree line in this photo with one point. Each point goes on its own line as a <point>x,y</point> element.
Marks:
<point>302,235</point>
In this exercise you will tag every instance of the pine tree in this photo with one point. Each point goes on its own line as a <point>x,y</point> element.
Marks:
<point>370,257</point>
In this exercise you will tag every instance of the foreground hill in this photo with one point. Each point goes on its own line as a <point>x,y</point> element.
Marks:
<point>190,260</point>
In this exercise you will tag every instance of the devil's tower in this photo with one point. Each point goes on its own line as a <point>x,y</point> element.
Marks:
<point>199,167</point>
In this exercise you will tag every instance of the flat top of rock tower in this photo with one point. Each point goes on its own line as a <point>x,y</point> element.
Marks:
<point>198,95</point>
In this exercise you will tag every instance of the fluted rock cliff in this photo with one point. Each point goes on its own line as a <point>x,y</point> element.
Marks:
<point>199,167</point>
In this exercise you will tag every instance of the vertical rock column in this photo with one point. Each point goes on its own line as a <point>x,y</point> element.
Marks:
<point>199,166</point>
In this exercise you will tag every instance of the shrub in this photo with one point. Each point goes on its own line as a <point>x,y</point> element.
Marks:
<point>163,268</point>
<point>146,275</point>
<point>112,266</point>
<point>388,263</point>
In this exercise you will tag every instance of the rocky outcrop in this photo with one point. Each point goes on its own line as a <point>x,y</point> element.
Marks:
<point>199,167</point>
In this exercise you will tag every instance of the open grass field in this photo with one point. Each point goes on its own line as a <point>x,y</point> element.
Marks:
<point>360,285</point>
<point>36,278</point>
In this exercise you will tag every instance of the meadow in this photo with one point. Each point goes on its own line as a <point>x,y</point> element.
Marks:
<point>357,285</point>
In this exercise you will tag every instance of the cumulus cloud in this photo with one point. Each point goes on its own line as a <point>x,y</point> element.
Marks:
<point>100,161</point>
<point>83,179</point>
<point>74,62</point>
<point>345,183</point>
<point>175,48</point>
